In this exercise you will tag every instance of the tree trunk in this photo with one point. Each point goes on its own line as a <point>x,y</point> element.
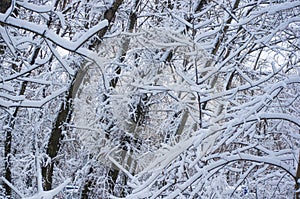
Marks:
<point>297,186</point>
<point>56,136</point>
<point>4,5</point>
<point>8,141</point>
<point>64,114</point>
<point>7,152</point>
<point>109,15</point>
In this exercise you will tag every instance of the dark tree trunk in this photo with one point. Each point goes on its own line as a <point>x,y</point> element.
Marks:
<point>4,5</point>
<point>7,144</point>
<point>297,187</point>
<point>109,15</point>
<point>64,114</point>
<point>7,152</point>
<point>56,136</point>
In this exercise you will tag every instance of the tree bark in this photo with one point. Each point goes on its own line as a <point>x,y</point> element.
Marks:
<point>297,186</point>
<point>7,143</point>
<point>4,5</point>
<point>56,136</point>
<point>7,152</point>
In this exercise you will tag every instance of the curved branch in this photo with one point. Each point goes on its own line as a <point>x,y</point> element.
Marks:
<point>45,32</point>
<point>232,158</point>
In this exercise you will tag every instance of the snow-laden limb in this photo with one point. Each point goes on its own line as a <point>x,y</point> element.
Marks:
<point>7,87</point>
<point>50,194</point>
<point>41,194</point>
<point>269,10</point>
<point>34,80</point>
<point>7,40</point>
<point>231,158</point>
<point>98,61</point>
<point>258,117</point>
<point>120,167</point>
<point>60,60</point>
<point>16,75</point>
<point>32,103</point>
<point>281,27</point>
<point>12,187</point>
<point>45,32</point>
<point>253,84</point>
<point>12,97</point>
<point>166,155</point>
<point>276,116</point>
<point>36,8</point>
<point>188,24</point>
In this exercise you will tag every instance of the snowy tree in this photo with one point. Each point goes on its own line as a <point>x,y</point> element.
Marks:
<point>36,72</point>
<point>150,99</point>
<point>215,90</point>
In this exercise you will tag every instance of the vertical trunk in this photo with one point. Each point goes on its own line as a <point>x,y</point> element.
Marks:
<point>7,152</point>
<point>85,191</point>
<point>56,134</point>
<point>7,144</point>
<point>297,186</point>
<point>218,45</point>
<point>110,15</point>
<point>66,109</point>
<point>54,142</point>
<point>114,172</point>
<point>4,5</point>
